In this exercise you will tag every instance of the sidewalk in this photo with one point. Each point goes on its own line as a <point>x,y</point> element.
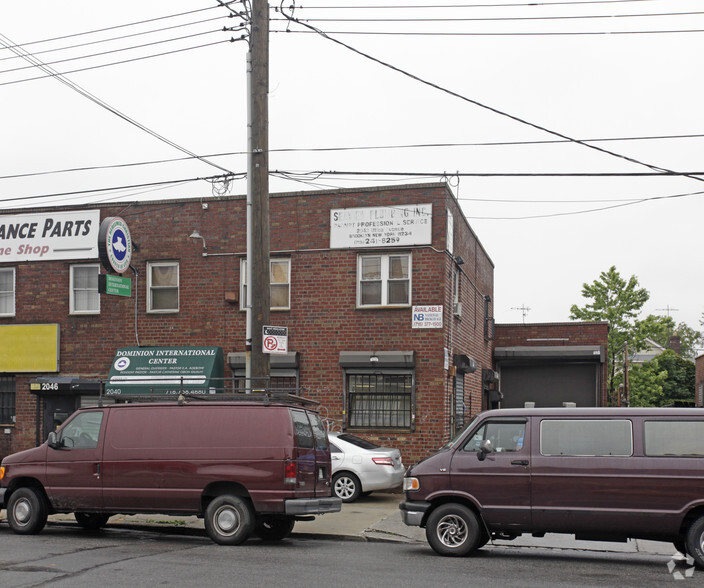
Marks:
<point>377,518</point>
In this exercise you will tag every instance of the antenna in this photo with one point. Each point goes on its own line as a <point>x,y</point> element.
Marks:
<point>524,310</point>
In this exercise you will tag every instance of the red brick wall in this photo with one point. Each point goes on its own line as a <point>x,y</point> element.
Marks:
<point>323,319</point>
<point>698,378</point>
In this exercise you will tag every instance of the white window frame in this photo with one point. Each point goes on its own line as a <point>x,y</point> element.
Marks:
<point>385,280</point>
<point>150,287</point>
<point>13,291</point>
<point>72,289</point>
<point>272,260</point>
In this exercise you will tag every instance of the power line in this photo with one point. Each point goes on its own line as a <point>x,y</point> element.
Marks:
<point>86,94</point>
<point>487,107</point>
<point>496,34</point>
<point>438,6</point>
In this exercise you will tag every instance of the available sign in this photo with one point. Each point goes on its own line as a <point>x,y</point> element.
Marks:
<point>115,285</point>
<point>427,317</point>
<point>275,340</point>
<point>381,226</point>
<point>165,370</point>
<point>49,236</point>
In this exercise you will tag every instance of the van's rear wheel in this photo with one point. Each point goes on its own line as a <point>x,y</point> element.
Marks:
<point>274,528</point>
<point>453,529</point>
<point>228,520</point>
<point>694,541</point>
<point>91,521</point>
<point>27,511</point>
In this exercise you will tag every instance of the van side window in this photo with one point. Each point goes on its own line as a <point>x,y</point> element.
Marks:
<point>504,436</point>
<point>674,438</point>
<point>586,437</point>
<point>304,433</point>
<point>83,431</point>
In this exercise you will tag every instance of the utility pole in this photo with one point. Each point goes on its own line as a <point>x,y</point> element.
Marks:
<point>258,296</point>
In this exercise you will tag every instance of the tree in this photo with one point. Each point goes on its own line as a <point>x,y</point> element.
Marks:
<point>666,379</point>
<point>646,385</point>
<point>660,328</point>
<point>617,302</point>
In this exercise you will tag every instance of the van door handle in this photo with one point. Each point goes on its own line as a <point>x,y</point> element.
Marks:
<point>97,471</point>
<point>522,462</point>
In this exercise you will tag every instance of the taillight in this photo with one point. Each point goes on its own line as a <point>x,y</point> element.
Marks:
<point>383,461</point>
<point>290,472</point>
<point>2,473</point>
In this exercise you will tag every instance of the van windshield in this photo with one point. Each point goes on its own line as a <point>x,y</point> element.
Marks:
<point>452,442</point>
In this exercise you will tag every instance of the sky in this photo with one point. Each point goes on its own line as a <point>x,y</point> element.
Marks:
<point>538,114</point>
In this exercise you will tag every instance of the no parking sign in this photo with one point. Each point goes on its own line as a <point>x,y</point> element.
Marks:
<point>275,340</point>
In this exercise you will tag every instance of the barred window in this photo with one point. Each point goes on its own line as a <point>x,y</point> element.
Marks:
<point>7,400</point>
<point>379,400</point>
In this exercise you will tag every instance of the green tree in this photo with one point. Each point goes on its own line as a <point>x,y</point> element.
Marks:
<point>646,385</point>
<point>660,328</point>
<point>618,302</point>
<point>679,384</point>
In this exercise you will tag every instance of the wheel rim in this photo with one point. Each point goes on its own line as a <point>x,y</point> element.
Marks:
<point>345,488</point>
<point>22,511</point>
<point>227,520</point>
<point>701,541</point>
<point>452,531</point>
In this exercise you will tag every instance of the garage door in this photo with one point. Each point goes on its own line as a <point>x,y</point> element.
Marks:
<point>549,384</point>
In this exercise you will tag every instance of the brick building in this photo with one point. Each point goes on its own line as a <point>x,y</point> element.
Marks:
<point>550,364</point>
<point>348,267</point>
<point>699,380</point>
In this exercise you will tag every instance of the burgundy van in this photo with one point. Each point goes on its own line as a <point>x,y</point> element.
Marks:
<point>245,467</point>
<point>598,473</point>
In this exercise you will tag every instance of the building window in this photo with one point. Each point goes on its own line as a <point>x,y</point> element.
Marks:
<point>384,280</point>
<point>7,292</point>
<point>379,400</point>
<point>279,283</point>
<point>162,286</point>
<point>7,400</point>
<point>84,297</point>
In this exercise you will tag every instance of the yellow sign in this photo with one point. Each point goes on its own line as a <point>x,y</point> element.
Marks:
<point>29,348</point>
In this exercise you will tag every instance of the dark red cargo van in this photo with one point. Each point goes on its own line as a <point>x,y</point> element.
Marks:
<point>599,473</point>
<point>245,467</point>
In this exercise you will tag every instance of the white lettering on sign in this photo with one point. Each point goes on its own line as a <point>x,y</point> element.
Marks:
<point>427,317</point>
<point>49,236</point>
<point>381,226</point>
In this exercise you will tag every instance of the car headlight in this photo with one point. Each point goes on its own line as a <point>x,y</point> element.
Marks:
<point>411,484</point>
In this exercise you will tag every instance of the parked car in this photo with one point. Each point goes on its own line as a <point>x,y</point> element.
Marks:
<point>247,468</point>
<point>360,467</point>
<point>605,474</point>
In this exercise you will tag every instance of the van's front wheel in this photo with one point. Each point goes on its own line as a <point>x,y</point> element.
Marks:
<point>27,511</point>
<point>228,520</point>
<point>91,521</point>
<point>453,529</point>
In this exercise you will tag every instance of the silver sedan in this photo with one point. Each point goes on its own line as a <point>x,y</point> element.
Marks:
<point>359,467</point>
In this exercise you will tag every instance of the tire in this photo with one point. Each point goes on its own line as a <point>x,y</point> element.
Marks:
<point>27,511</point>
<point>91,521</point>
<point>453,530</point>
<point>694,541</point>
<point>274,528</point>
<point>346,486</point>
<point>228,520</point>
<point>680,545</point>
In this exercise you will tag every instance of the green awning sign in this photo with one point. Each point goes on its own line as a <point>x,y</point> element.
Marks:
<point>166,370</point>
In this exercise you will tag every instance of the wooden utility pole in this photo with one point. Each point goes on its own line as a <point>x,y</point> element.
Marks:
<point>258,296</point>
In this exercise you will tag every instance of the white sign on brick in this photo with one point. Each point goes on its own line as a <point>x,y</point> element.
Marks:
<point>427,317</point>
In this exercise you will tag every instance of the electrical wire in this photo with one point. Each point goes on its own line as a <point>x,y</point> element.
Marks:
<point>437,6</point>
<point>487,107</point>
<point>496,34</point>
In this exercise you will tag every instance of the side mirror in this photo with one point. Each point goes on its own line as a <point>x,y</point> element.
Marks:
<point>485,447</point>
<point>51,440</point>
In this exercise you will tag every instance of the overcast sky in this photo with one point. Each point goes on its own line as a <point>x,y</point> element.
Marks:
<point>498,87</point>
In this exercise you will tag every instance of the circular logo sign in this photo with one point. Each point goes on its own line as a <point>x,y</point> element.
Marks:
<point>121,363</point>
<point>115,244</point>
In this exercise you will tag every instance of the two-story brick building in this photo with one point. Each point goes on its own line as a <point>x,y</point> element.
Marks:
<point>348,269</point>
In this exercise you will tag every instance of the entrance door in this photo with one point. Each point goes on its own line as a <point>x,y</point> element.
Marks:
<point>73,472</point>
<point>499,481</point>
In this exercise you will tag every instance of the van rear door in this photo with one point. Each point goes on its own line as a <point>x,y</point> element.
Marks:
<point>323,465</point>
<point>304,453</point>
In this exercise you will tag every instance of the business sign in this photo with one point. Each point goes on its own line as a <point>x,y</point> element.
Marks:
<point>49,236</point>
<point>165,370</point>
<point>115,285</point>
<point>115,244</point>
<point>381,226</point>
<point>29,348</point>
<point>274,339</point>
<point>427,317</point>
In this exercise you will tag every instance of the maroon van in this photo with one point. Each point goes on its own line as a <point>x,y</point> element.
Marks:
<point>245,467</point>
<point>606,474</point>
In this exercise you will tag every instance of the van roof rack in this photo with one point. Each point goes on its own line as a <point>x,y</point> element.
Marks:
<point>183,398</point>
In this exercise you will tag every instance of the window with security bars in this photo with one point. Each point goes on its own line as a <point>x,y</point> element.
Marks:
<point>379,400</point>
<point>7,400</point>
